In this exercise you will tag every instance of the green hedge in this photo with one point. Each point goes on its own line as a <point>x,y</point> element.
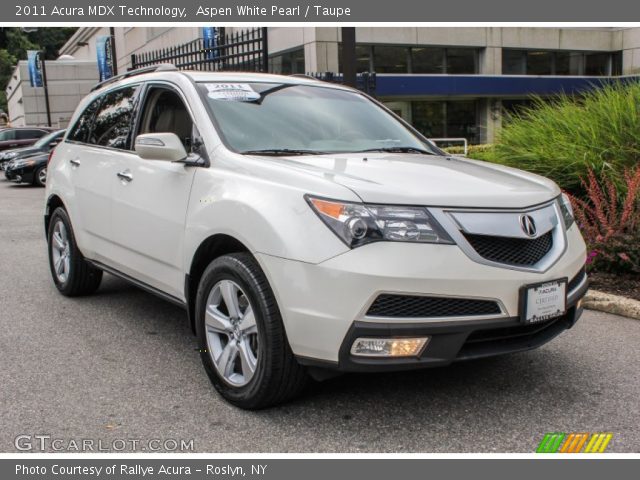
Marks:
<point>565,137</point>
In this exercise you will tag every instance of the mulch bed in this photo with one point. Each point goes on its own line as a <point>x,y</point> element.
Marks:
<point>626,285</point>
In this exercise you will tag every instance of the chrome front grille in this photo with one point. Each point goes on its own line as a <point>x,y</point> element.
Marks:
<point>528,239</point>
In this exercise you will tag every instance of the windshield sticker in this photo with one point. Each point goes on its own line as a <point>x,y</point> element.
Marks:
<point>237,92</point>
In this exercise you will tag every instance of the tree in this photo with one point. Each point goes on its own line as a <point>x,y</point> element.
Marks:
<point>14,43</point>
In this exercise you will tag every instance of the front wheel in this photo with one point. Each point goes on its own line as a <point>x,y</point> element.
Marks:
<point>40,176</point>
<point>243,344</point>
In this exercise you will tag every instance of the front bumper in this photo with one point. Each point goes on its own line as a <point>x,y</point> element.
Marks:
<point>324,306</point>
<point>451,342</point>
<point>20,175</point>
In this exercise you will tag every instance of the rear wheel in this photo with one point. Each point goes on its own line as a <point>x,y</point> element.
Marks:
<point>40,176</point>
<point>72,274</point>
<point>242,339</point>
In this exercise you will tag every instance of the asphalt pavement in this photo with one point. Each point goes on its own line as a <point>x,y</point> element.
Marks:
<point>122,365</point>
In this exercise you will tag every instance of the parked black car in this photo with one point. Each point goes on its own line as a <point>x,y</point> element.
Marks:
<point>28,170</point>
<point>43,145</point>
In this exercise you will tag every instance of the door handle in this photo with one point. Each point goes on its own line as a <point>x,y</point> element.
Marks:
<point>74,162</point>
<point>125,176</point>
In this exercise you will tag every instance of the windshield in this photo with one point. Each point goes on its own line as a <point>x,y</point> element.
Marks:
<point>301,119</point>
<point>44,141</point>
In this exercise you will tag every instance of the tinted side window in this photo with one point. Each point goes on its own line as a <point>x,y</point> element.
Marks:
<point>80,130</point>
<point>29,134</point>
<point>7,135</point>
<point>112,125</point>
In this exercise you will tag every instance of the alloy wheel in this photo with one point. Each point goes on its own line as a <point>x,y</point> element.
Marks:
<point>61,251</point>
<point>232,333</point>
<point>42,176</point>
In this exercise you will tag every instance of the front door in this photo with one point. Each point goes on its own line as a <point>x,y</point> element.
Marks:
<point>151,198</point>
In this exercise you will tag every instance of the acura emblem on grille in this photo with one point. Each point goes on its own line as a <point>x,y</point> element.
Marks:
<point>528,225</point>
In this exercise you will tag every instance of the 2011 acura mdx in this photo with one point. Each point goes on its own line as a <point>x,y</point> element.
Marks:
<point>305,229</point>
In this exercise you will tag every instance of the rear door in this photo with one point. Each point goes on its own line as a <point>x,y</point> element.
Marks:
<point>27,137</point>
<point>150,200</point>
<point>8,139</point>
<point>96,145</point>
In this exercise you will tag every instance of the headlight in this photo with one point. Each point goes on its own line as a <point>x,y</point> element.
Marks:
<point>567,211</point>
<point>9,155</point>
<point>358,224</point>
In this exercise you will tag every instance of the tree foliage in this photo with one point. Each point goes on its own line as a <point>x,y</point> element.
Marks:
<point>14,43</point>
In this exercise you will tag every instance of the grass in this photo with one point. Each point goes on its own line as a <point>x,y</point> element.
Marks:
<point>566,137</point>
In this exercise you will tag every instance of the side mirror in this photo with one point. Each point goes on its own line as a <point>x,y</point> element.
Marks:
<point>53,144</point>
<point>160,146</point>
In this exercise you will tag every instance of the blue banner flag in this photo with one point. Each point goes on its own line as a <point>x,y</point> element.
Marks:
<point>35,68</point>
<point>105,57</point>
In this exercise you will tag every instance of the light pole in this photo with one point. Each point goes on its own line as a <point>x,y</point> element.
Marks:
<point>43,68</point>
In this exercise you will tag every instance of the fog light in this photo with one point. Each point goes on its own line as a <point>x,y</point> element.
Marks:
<point>389,347</point>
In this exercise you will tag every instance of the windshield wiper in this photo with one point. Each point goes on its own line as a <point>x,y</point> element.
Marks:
<point>282,152</point>
<point>397,150</point>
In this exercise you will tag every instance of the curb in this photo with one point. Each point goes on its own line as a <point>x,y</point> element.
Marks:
<point>609,303</point>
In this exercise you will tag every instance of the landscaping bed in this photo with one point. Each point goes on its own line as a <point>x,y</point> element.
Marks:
<point>625,285</point>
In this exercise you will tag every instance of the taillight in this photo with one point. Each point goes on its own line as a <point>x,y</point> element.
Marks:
<point>50,155</point>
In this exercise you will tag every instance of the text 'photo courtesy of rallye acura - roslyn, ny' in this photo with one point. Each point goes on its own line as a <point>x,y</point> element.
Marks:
<point>305,229</point>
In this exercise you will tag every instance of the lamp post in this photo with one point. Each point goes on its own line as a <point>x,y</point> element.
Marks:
<point>43,68</point>
<point>349,56</point>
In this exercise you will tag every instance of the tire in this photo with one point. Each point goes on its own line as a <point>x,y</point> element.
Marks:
<point>40,176</point>
<point>77,276</point>
<point>260,339</point>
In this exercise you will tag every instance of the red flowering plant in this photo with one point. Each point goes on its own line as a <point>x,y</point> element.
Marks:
<point>609,218</point>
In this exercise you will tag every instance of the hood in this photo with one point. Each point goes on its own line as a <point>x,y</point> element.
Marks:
<point>427,180</point>
<point>22,161</point>
<point>20,152</point>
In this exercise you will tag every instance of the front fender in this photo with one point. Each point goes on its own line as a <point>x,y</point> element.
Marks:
<point>268,217</point>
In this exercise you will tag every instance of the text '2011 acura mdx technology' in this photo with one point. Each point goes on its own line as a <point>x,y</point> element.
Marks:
<point>305,229</point>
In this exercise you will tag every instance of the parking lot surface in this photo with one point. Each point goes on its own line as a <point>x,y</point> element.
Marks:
<point>122,364</point>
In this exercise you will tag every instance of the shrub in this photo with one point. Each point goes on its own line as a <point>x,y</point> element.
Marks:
<point>610,222</point>
<point>479,152</point>
<point>566,137</point>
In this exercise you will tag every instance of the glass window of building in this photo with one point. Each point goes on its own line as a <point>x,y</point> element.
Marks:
<point>429,118</point>
<point>390,59</point>
<point>539,63</point>
<point>616,63</point>
<point>569,63</point>
<point>597,64</point>
<point>287,63</point>
<point>462,61</point>
<point>560,62</point>
<point>427,60</point>
<point>439,119</point>
<point>364,58</point>
<point>461,120</point>
<point>513,62</point>
<point>404,59</point>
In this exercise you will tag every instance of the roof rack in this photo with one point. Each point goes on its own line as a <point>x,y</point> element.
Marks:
<point>303,75</point>
<point>163,67</point>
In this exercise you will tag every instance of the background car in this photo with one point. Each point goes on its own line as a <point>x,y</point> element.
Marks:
<point>42,145</point>
<point>28,170</point>
<point>16,137</point>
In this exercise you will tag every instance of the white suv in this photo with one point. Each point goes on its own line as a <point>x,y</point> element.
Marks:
<point>305,229</point>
